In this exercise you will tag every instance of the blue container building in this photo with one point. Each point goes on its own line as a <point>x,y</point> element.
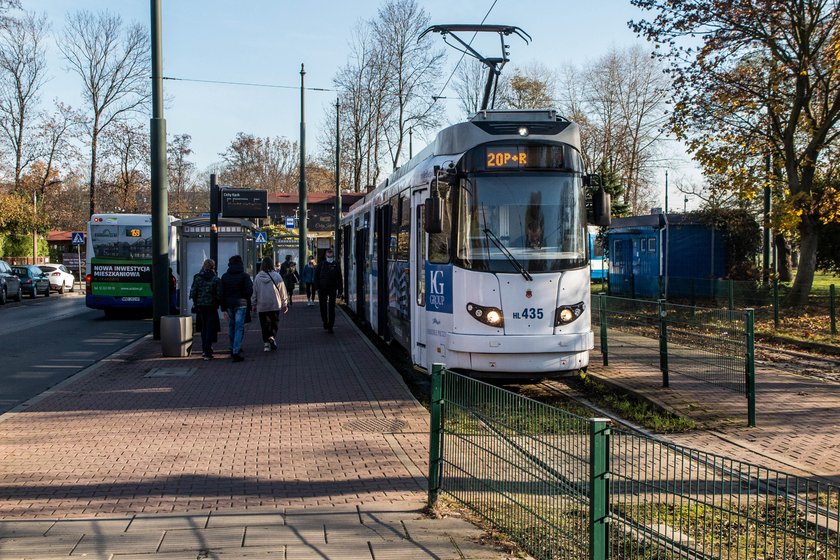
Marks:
<point>665,255</point>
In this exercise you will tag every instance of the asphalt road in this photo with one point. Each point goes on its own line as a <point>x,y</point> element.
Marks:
<point>46,340</point>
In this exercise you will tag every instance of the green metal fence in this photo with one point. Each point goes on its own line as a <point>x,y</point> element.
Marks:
<point>567,487</point>
<point>771,303</point>
<point>716,346</point>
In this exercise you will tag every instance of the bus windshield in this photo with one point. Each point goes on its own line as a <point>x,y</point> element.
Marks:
<point>121,241</point>
<point>540,219</point>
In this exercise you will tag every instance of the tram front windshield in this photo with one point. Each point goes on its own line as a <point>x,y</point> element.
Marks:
<point>539,219</point>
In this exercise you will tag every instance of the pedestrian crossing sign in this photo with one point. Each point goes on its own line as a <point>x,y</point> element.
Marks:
<point>78,238</point>
<point>260,237</point>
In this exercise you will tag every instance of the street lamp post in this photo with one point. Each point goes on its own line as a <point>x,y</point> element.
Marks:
<point>34,227</point>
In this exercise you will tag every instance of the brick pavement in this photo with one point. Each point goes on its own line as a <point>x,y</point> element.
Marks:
<point>323,425</point>
<point>797,418</point>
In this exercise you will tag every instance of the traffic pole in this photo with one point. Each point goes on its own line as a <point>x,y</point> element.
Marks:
<point>214,221</point>
<point>160,182</point>
<point>302,214</point>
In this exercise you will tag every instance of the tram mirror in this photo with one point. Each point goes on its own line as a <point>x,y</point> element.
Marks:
<point>601,207</point>
<point>434,214</point>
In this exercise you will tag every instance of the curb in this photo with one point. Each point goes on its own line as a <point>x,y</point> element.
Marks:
<point>24,406</point>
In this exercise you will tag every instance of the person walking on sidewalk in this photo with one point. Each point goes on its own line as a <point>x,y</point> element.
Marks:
<point>328,282</point>
<point>269,298</point>
<point>237,289</point>
<point>309,280</point>
<point>292,277</point>
<point>206,295</point>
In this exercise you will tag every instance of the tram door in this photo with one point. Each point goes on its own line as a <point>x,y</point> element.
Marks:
<point>418,277</point>
<point>382,224</point>
<point>361,253</point>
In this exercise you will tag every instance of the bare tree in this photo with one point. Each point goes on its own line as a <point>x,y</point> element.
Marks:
<point>126,167</point>
<point>411,69</point>
<point>22,74</point>
<point>181,171</point>
<point>56,133</point>
<point>619,101</point>
<point>531,87</point>
<point>469,85</point>
<point>113,62</point>
<point>267,163</point>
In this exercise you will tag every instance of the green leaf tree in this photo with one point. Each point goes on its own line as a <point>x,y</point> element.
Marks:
<point>756,82</point>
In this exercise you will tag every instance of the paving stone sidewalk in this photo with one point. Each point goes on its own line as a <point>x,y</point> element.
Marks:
<point>317,450</point>
<point>797,418</point>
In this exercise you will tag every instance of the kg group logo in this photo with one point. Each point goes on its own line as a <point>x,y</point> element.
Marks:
<point>439,293</point>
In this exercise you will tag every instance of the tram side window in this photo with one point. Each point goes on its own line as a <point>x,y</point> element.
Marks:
<point>404,232</point>
<point>439,242</point>
<point>395,227</point>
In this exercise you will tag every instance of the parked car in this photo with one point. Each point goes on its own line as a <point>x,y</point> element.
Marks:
<point>9,283</point>
<point>60,278</point>
<point>32,280</point>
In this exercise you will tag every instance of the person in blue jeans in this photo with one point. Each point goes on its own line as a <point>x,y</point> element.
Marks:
<point>237,289</point>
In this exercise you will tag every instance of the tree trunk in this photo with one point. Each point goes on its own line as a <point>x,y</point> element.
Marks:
<point>93,174</point>
<point>783,264</point>
<point>808,238</point>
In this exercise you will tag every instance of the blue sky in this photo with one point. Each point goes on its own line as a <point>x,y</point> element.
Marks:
<point>265,41</point>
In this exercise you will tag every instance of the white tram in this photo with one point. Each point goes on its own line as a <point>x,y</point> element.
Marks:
<point>475,253</point>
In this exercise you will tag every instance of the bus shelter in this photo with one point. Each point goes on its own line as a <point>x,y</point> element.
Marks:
<point>236,237</point>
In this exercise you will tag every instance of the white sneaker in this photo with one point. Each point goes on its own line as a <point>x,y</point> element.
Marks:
<point>266,347</point>
<point>309,303</point>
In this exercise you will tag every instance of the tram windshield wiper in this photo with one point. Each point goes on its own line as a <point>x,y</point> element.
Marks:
<point>516,264</point>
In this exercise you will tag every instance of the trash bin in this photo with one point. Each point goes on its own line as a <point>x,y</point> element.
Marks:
<point>176,335</point>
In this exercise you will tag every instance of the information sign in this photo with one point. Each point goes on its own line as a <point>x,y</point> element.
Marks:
<point>244,203</point>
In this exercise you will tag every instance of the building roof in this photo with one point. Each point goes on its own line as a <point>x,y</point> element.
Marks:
<point>59,236</point>
<point>314,198</point>
<point>657,221</point>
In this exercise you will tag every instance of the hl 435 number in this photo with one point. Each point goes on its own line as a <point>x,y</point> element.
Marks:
<point>532,313</point>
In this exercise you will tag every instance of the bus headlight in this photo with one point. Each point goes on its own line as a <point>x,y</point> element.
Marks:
<point>568,313</point>
<point>488,315</point>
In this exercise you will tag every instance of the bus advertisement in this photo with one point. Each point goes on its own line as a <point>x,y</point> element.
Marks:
<point>119,261</point>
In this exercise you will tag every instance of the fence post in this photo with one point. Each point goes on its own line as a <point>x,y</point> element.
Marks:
<point>776,303</point>
<point>599,468</point>
<point>832,310</point>
<point>749,326</point>
<point>434,433</point>
<point>663,342</point>
<point>731,288</point>
<point>602,315</point>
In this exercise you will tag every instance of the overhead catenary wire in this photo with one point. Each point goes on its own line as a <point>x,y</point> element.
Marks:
<point>248,84</point>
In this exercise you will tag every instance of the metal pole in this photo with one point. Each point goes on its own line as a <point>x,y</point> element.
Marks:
<point>34,229</point>
<point>666,191</point>
<point>599,468</point>
<point>663,342</point>
<point>302,214</point>
<point>410,146</point>
<point>160,181</point>
<point>337,181</point>
<point>79,252</point>
<point>749,324</point>
<point>832,310</point>
<point>214,221</point>
<point>765,273</point>
<point>435,430</point>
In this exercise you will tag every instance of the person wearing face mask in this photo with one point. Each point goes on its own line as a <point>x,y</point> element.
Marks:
<point>328,282</point>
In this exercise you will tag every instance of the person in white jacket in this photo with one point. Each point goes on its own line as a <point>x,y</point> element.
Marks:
<point>270,296</point>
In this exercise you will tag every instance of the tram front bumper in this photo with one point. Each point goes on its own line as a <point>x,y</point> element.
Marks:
<point>519,354</point>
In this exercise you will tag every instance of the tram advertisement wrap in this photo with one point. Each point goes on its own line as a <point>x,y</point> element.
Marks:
<point>439,288</point>
<point>121,278</point>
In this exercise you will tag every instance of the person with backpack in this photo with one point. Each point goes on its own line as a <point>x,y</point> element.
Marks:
<point>309,280</point>
<point>291,278</point>
<point>269,298</point>
<point>328,282</point>
<point>206,295</point>
<point>237,290</point>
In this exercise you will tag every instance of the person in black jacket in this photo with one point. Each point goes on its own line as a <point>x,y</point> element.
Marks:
<point>237,289</point>
<point>328,283</point>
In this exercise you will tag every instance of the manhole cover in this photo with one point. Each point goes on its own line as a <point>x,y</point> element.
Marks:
<point>170,372</point>
<point>375,425</point>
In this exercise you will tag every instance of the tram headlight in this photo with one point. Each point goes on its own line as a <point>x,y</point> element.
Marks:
<point>523,131</point>
<point>568,313</point>
<point>488,315</point>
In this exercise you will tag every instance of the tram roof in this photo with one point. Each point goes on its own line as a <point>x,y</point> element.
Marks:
<point>488,126</point>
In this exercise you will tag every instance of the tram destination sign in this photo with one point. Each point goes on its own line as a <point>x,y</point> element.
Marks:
<point>244,203</point>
